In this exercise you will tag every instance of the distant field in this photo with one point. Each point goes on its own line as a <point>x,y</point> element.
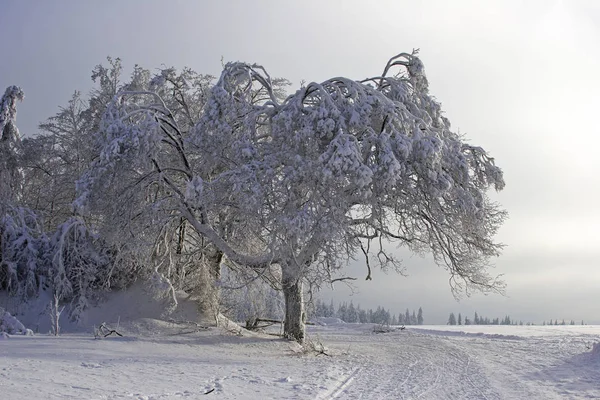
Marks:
<point>518,330</point>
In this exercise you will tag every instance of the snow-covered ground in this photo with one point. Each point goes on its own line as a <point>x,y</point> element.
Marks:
<point>510,330</point>
<point>170,360</point>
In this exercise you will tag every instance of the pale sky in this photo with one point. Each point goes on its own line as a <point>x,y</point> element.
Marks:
<point>519,78</point>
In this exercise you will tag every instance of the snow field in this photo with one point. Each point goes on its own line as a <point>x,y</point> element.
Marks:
<point>171,362</point>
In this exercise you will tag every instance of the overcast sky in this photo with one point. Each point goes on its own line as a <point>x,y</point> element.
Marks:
<point>519,78</point>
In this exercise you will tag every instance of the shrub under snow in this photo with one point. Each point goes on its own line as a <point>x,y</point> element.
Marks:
<point>10,324</point>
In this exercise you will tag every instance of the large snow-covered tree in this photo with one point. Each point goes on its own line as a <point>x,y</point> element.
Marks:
<point>335,169</point>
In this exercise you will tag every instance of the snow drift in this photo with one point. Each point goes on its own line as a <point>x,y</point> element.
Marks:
<point>596,351</point>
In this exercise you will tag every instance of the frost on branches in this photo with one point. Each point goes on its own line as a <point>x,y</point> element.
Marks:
<point>304,183</point>
<point>22,248</point>
<point>8,114</point>
<point>10,141</point>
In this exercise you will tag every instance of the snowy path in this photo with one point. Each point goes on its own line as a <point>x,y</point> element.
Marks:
<point>407,365</point>
<point>410,364</point>
<point>417,364</point>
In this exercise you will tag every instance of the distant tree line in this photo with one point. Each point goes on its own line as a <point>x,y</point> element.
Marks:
<point>507,320</point>
<point>348,312</point>
<point>555,322</point>
<point>480,320</point>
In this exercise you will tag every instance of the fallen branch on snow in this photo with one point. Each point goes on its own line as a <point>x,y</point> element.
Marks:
<point>385,328</point>
<point>104,331</point>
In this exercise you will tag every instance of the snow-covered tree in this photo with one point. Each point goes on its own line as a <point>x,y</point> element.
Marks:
<point>23,247</point>
<point>307,182</point>
<point>10,143</point>
<point>451,319</point>
<point>81,267</point>
<point>420,316</point>
<point>342,311</point>
<point>361,314</point>
<point>352,315</point>
<point>331,310</point>
<point>54,160</point>
<point>321,309</point>
<point>401,319</point>
<point>9,133</point>
<point>459,319</point>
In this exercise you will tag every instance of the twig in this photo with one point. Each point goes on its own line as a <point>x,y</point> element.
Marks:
<point>348,278</point>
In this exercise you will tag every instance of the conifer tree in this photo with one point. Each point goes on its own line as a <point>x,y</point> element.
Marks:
<point>452,319</point>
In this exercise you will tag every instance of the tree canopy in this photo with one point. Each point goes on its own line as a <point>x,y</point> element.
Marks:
<point>304,182</point>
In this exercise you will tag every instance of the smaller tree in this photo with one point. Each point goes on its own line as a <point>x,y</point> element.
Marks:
<point>54,312</point>
<point>452,319</point>
<point>362,316</point>
<point>10,143</point>
<point>352,314</point>
<point>331,310</point>
<point>342,312</point>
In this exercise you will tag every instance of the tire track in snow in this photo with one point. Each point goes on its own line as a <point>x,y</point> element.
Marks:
<point>407,365</point>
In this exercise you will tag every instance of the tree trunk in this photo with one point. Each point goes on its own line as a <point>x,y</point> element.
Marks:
<point>210,299</point>
<point>215,257</point>
<point>293,327</point>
